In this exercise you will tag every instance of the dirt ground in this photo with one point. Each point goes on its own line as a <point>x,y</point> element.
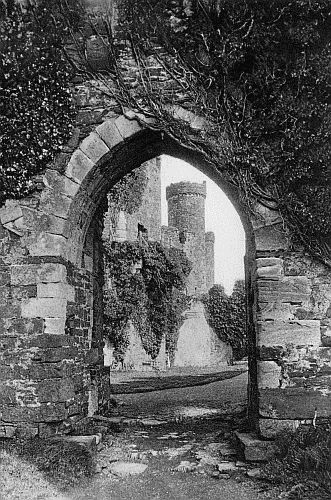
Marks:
<point>181,460</point>
<point>171,444</point>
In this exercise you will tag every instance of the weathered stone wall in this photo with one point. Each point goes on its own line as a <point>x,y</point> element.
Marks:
<point>197,344</point>
<point>294,358</point>
<point>149,212</point>
<point>49,365</point>
<point>210,259</point>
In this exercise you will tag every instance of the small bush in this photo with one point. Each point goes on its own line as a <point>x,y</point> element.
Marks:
<point>303,460</point>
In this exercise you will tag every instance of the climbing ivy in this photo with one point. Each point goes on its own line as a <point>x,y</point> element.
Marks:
<point>259,72</point>
<point>36,107</point>
<point>145,286</point>
<point>227,316</point>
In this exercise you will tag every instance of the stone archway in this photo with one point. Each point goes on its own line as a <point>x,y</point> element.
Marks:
<point>51,358</point>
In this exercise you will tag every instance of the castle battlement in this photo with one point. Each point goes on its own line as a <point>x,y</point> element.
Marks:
<point>186,188</point>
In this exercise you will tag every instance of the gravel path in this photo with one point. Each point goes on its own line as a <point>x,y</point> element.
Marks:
<point>178,458</point>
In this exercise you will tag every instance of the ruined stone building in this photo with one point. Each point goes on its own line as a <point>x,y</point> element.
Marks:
<point>186,225</point>
<point>51,360</point>
<point>197,343</point>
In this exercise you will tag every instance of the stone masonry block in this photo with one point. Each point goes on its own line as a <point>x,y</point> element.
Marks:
<point>40,221</point>
<point>46,341</point>
<point>60,290</point>
<point>44,308</point>
<point>255,450</point>
<point>127,127</point>
<point>79,166</point>
<point>94,147</point>
<point>21,326</point>
<point>54,202</point>
<point>55,354</point>
<point>267,216</point>
<point>45,412</point>
<point>270,272</point>
<point>269,374</point>
<point>48,244</point>
<point>270,238</point>
<point>109,133</point>
<point>282,333</point>
<point>55,326</point>
<point>275,311</point>
<point>293,289</point>
<point>269,261</point>
<point>55,390</point>
<point>10,212</point>
<point>62,183</point>
<point>27,274</point>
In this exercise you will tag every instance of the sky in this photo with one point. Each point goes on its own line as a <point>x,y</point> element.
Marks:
<point>221,218</point>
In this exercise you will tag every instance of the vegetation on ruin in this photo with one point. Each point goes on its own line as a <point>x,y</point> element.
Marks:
<point>127,194</point>
<point>63,464</point>
<point>227,316</point>
<point>36,106</point>
<point>259,73</point>
<point>302,462</point>
<point>145,286</point>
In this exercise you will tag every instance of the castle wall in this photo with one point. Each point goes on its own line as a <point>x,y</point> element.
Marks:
<point>210,259</point>
<point>197,344</point>
<point>149,212</point>
<point>148,215</point>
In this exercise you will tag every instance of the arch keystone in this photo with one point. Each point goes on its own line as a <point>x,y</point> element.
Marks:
<point>127,127</point>
<point>94,147</point>
<point>109,133</point>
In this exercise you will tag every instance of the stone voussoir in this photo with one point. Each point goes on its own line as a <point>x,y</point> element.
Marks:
<point>10,212</point>
<point>127,127</point>
<point>79,166</point>
<point>94,147</point>
<point>109,133</point>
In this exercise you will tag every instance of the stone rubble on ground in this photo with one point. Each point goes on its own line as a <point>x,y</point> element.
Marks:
<point>227,467</point>
<point>186,466</point>
<point>124,469</point>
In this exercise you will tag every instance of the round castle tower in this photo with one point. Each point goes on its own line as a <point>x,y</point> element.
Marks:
<point>186,212</point>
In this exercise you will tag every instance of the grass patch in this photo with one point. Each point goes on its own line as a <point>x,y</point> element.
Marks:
<point>303,462</point>
<point>64,464</point>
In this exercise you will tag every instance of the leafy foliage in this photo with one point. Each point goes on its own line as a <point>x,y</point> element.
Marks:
<point>128,192</point>
<point>260,74</point>
<point>36,107</point>
<point>227,316</point>
<point>145,286</point>
<point>303,457</point>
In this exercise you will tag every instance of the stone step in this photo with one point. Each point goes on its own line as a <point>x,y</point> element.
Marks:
<point>255,449</point>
